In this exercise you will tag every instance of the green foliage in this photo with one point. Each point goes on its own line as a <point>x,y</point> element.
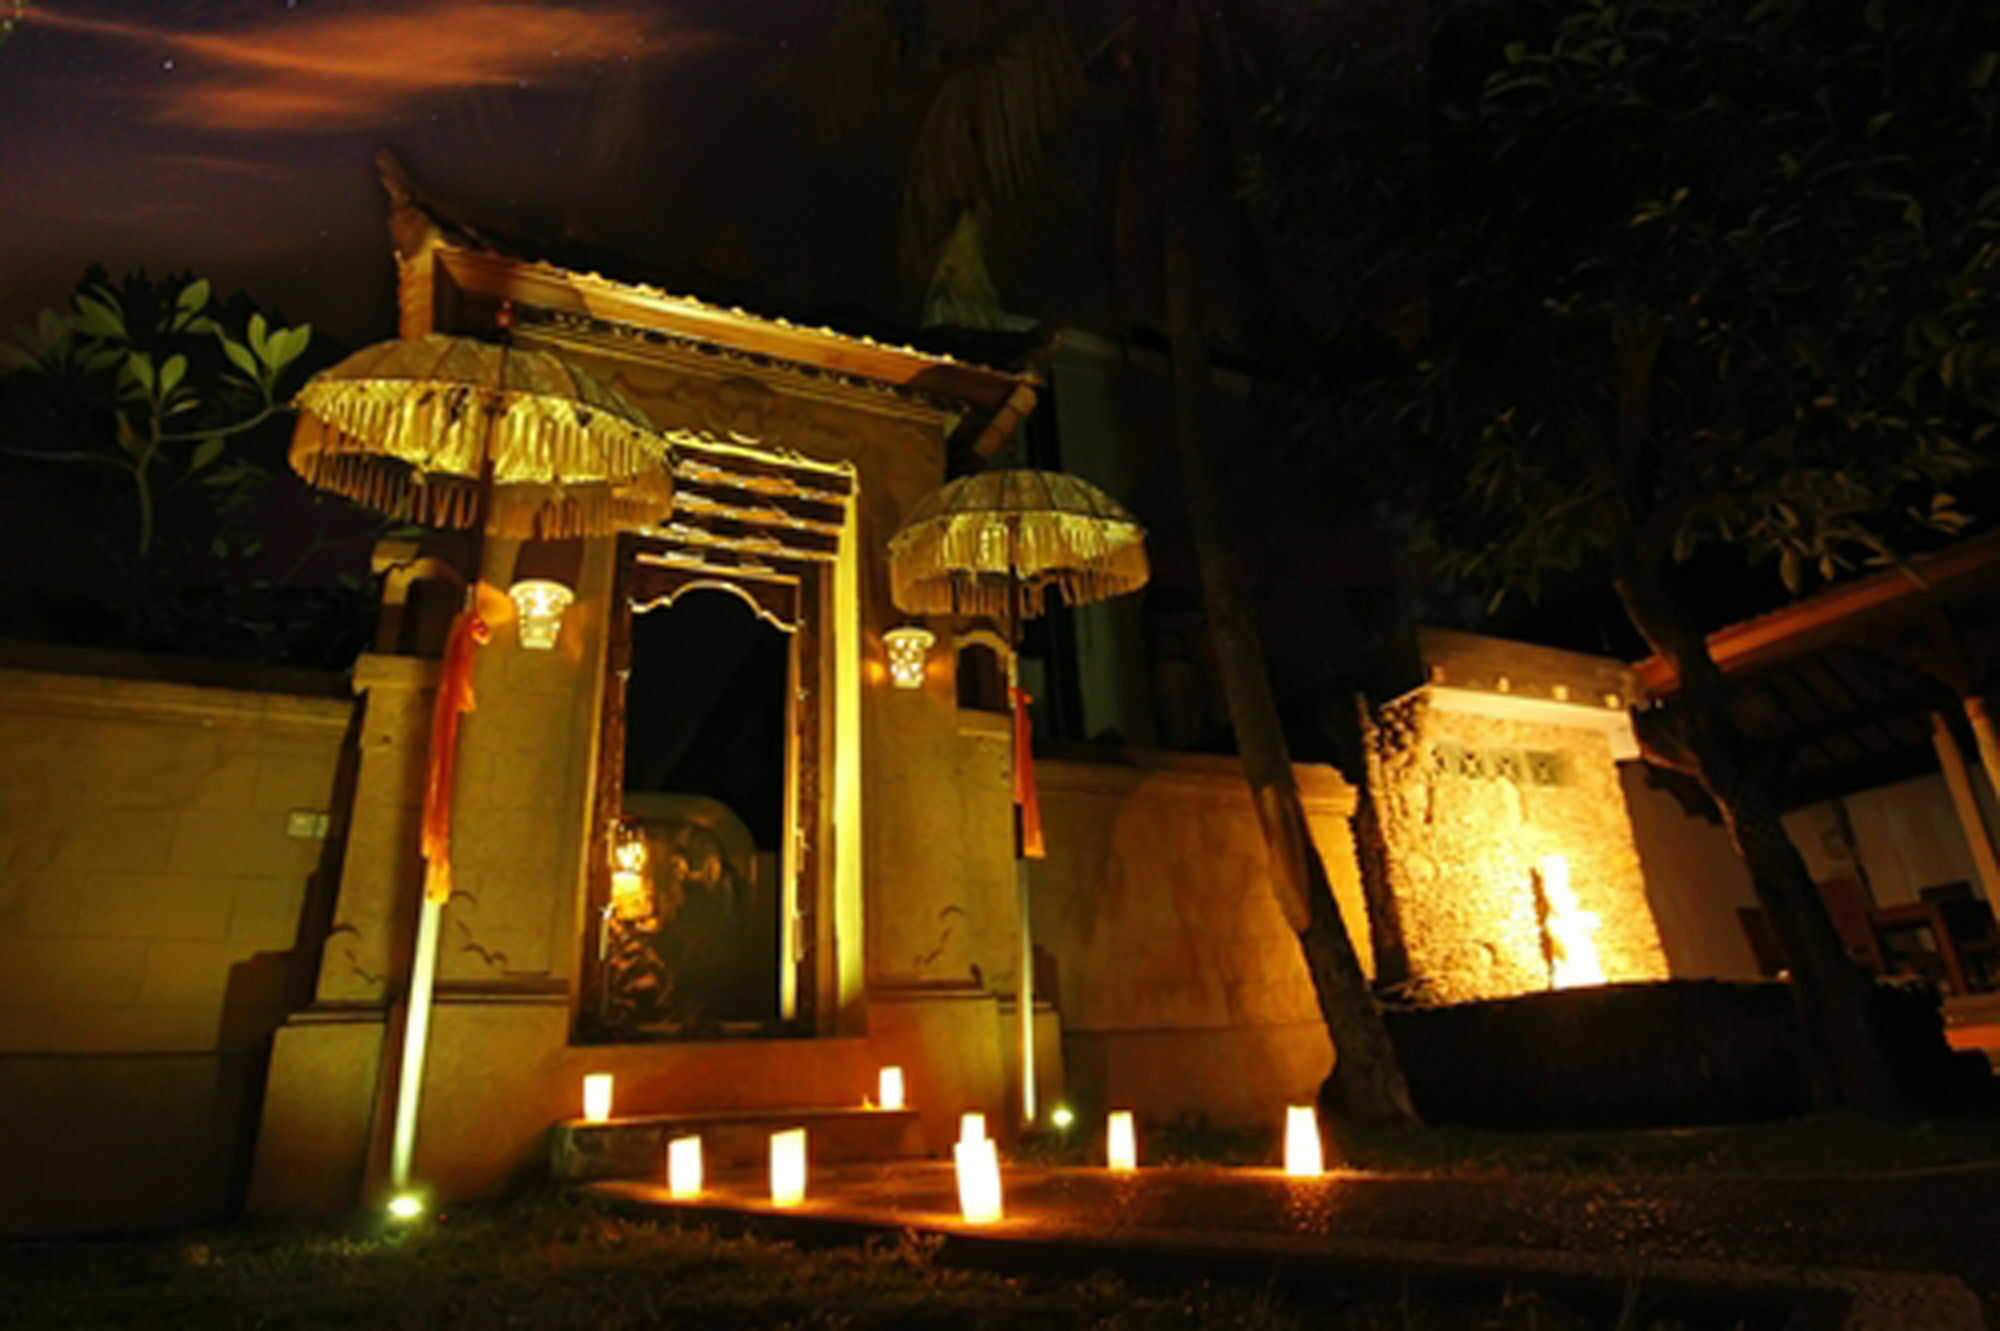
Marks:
<point>167,429</point>
<point>1702,272</point>
<point>157,413</point>
<point>1335,172</point>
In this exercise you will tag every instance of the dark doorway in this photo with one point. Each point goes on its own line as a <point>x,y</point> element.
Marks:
<point>705,783</point>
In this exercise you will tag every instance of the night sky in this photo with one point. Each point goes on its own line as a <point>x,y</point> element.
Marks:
<point>235,138</point>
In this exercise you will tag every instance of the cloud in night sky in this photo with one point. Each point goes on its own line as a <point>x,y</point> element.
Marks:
<point>347,71</point>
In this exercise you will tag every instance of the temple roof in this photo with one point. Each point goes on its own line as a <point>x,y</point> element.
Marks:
<point>983,403</point>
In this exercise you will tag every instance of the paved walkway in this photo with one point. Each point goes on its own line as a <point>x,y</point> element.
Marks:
<point>1918,1250</point>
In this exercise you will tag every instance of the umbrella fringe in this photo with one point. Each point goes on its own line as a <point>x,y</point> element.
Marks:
<point>326,454</point>
<point>967,563</point>
<point>531,439</point>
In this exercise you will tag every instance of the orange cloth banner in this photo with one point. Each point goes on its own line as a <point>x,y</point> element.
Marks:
<point>469,632</point>
<point>1029,823</point>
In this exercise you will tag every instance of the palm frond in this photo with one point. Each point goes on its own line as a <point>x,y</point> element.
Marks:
<point>994,104</point>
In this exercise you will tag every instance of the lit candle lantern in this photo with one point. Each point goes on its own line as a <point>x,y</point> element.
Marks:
<point>889,1088</point>
<point>629,898</point>
<point>978,1181</point>
<point>972,1127</point>
<point>597,1096</point>
<point>788,1167</point>
<point>1121,1143</point>
<point>684,1167</point>
<point>907,649</point>
<point>1303,1157</point>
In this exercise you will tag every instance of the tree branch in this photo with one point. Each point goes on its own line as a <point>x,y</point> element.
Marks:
<point>77,456</point>
<point>225,431</point>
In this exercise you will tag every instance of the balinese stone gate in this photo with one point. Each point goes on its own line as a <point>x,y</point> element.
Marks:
<point>796,447</point>
<point>1507,756</point>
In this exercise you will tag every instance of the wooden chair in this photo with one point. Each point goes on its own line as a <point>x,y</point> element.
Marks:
<point>1975,937</point>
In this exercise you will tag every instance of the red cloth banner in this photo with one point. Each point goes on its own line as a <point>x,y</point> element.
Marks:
<point>469,632</point>
<point>1029,809</point>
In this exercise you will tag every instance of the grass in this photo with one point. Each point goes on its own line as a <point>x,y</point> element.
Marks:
<point>1831,1144</point>
<point>555,1264</point>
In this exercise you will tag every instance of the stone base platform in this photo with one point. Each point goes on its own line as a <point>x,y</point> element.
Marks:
<point>635,1146</point>
<point>1890,1252</point>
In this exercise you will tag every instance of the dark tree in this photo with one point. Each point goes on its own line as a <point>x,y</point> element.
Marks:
<point>1701,273</point>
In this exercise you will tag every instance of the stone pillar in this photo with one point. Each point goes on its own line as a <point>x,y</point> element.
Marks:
<point>320,1112</point>
<point>1958,781</point>
<point>1982,735</point>
<point>367,946</point>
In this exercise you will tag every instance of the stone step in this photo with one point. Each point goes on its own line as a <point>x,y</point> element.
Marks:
<point>635,1146</point>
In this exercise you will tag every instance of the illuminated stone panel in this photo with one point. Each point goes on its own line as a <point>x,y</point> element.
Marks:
<point>1473,785</point>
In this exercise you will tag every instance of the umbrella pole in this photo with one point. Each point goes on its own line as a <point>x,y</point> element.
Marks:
<point>416,1033</point>
<point>423,968</point>
<point>1025,986</point>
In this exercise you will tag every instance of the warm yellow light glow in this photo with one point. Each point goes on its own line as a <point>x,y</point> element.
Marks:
<point>978,1181</point>
<point>1062,1117</point>
<point>889,1088</point>
<point>597,1097</point>
<point>1303,1156</point>
<point>972,1127</point>
<point>628,894</point>
<point>1572,951</point>
<point>629,898</point>
<point>540,602</point>
<point>684,1167</point>
<point>405,1206</point>
<point>908,648</point>
<point>1121,1141</point>
<point>788,1167</point>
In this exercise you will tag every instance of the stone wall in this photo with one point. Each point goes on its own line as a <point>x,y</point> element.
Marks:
<point>1468,805</point>
<point>159,845</point>
<point>1168,956</point>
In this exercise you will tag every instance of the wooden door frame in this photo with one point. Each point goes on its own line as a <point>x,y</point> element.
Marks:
<point>793,595</point>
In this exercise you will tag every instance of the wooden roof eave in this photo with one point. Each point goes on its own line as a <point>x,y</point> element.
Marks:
<point>1839,613</point>
<point>985,396</point>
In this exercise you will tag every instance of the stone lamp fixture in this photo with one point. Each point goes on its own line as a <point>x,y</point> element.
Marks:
<point>908,647</point>
<point>544,586</point>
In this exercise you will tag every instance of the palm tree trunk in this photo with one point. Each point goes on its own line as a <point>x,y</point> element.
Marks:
<point>1845,1053</point>
<point>1368,1074</point>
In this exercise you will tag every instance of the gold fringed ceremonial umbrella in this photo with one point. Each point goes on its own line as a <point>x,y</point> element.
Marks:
<point>450,431</point>
<point>993,544</point>
<point>413,427</point>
